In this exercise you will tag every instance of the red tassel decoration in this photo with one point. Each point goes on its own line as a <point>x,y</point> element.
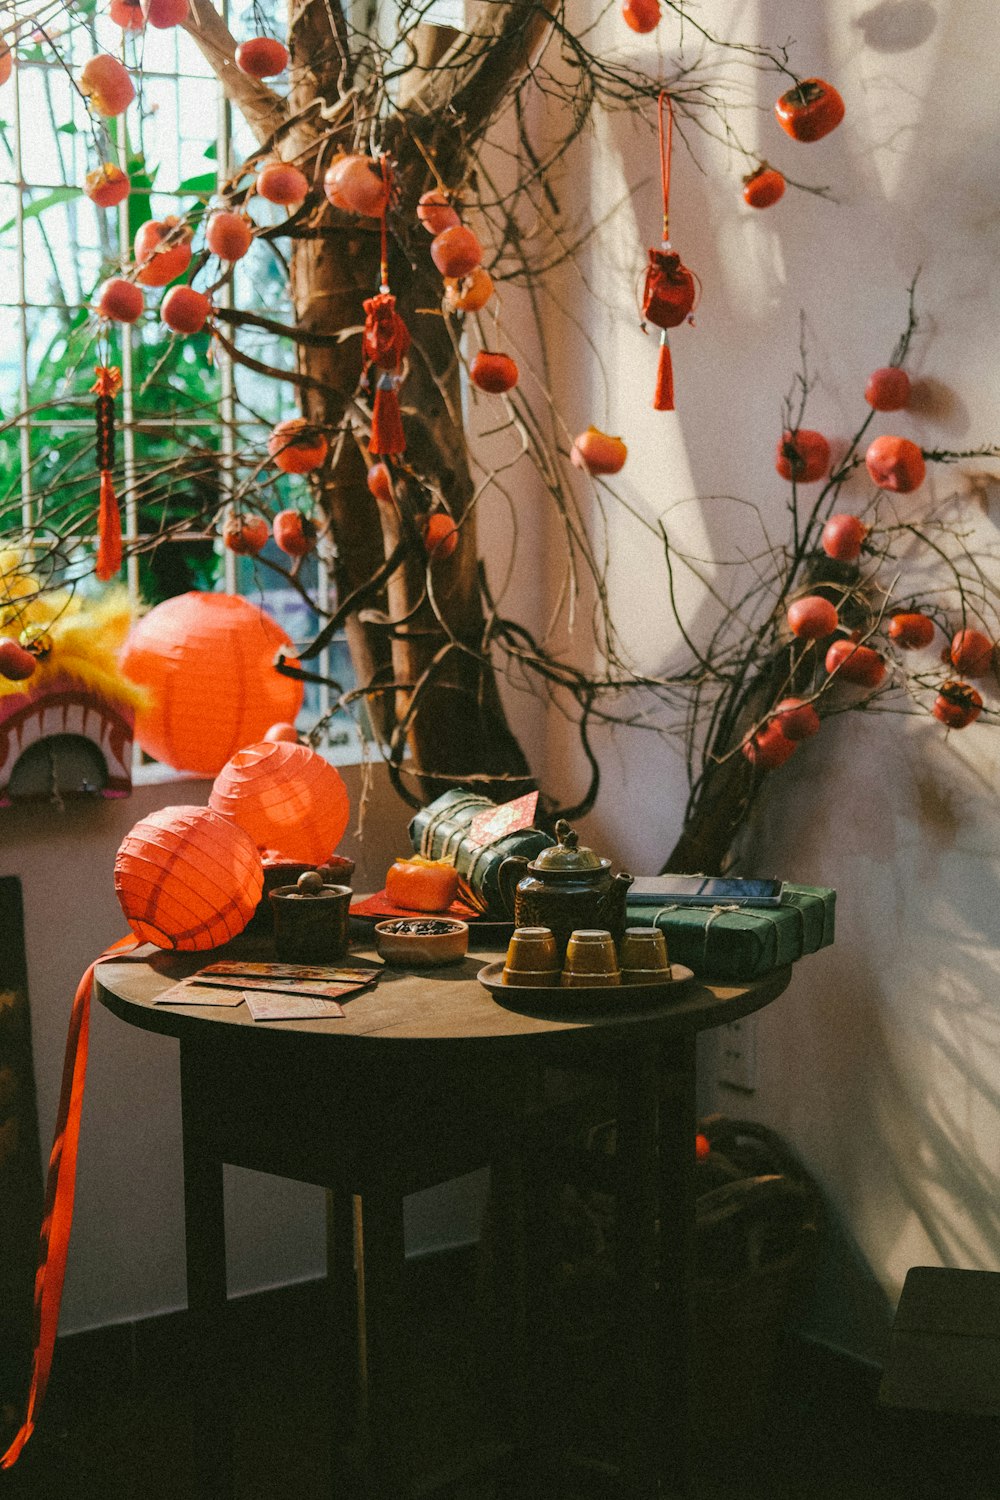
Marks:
<point>387,437</point>
<point>663,400</point>
<point>109,522</point>
<point>670,290</point>
<point>109,531</point>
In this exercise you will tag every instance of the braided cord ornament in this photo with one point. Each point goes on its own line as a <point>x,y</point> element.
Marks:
<point>109,524</point>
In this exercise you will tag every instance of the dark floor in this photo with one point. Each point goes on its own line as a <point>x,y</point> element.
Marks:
<point>118,1422</point>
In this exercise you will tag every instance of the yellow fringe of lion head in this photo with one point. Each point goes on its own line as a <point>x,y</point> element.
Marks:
<point>86,634</point>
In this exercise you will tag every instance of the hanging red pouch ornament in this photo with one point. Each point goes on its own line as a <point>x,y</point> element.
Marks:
<point>384,343</point>
<point>109,524</point>
<point>670,289</point>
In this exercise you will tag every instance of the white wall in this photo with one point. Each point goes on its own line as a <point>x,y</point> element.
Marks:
<point>879,1063</point>
<point>127,1251</point>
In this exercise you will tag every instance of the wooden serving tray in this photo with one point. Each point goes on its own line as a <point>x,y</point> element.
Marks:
<point>591,997</point>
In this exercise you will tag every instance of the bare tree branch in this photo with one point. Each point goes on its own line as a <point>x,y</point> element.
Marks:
<point>263,109</point>
<point>482,65</point>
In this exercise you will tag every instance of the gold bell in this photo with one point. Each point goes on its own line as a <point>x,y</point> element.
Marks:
<point>37,640</point>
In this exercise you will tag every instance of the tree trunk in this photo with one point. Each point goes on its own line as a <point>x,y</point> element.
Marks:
<point>446,697</point>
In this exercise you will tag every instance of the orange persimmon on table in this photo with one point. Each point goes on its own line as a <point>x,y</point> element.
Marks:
<point>419,884</point>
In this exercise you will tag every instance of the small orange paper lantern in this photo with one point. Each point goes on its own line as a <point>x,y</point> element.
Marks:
<point>286,797</point>
<point>208,663</point>
<point>188,879</point>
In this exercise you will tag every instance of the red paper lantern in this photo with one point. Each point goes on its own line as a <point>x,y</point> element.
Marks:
<point>286,797</point>
<point>188,879</point>
<point>208,663</point>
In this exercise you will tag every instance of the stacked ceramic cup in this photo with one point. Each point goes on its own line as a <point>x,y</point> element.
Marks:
<point>591,960</point>
<point>644,956</point>
<point>532,959</point>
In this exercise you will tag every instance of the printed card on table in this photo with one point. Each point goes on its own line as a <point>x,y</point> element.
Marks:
<point>187,993</point>
<point>319,988</point>
<point>265,1006</point>
<point>202,989</point>
<point>330,972</point>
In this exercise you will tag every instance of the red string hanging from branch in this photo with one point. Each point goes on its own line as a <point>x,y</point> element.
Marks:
<point>384,344</point>
<point>109,523</point>
<point>670,289</point>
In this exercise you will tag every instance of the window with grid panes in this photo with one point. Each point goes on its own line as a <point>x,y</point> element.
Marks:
<point>192,426</point>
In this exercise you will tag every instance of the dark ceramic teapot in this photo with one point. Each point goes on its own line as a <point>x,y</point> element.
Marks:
<point>563,888</point>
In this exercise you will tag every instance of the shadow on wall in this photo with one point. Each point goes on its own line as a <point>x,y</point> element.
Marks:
<point>897,25</point>
<point>881,1063</point>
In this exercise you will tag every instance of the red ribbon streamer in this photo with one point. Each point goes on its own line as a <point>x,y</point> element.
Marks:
<point>57,1218</point>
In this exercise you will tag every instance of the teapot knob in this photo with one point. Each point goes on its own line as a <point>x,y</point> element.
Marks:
<point>566,835</point>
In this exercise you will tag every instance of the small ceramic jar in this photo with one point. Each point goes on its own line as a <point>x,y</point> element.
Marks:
<point>310,927</point>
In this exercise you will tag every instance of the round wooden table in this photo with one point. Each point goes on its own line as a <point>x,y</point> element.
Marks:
<point>427,1076</point>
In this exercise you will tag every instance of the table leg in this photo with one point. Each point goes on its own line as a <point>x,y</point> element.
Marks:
<point>513,1377</point>
<point>343,1250</point>
<point>205,1248</point>
<point>342,1289</point>
<point>380,1259</point>
<point>675,1351</point>
<point>635,1168</point>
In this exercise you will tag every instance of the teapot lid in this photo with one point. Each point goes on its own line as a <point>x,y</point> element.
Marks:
<point>566,856</point>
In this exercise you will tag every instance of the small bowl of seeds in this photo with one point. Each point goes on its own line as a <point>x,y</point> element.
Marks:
<point>420,942</point>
